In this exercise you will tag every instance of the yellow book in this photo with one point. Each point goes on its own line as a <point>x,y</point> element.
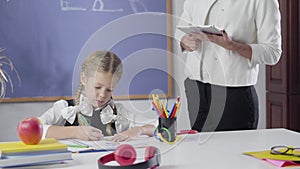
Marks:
<point>43,145</point>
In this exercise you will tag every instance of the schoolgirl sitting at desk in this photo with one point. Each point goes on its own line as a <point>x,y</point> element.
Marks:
<point>94,113</point>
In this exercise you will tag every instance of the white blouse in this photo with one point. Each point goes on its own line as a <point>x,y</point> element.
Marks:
<point>61,112</point>
<point>253,22</point>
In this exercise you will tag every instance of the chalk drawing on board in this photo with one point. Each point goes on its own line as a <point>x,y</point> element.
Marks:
<point>134,5</point>
<point>99,7</point>
<point>65,6</point>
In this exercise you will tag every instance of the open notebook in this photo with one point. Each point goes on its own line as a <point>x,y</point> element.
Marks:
<point>77,146</point>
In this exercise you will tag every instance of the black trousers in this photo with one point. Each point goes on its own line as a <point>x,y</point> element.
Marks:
<point>218,108</point>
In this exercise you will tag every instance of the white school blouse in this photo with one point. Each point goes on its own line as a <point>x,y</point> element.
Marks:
<point>61,112</point>
<point>253,22</point>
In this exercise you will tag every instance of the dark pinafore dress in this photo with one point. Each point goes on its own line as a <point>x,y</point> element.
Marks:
<point>95,121</point>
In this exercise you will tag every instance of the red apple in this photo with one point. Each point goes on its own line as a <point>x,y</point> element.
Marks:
<point>30,130</point>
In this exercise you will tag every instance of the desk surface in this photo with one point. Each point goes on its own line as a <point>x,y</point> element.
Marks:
<point>207,150</point>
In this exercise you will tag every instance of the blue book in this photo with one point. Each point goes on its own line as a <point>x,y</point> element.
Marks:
<point>28,159</point>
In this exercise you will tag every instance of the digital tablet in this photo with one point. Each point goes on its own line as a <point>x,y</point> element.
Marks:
<point>211,29</point>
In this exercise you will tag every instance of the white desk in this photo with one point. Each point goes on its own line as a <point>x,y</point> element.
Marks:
<point>219,150</point>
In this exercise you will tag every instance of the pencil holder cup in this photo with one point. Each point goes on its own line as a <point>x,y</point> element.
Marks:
<point>167,129</point>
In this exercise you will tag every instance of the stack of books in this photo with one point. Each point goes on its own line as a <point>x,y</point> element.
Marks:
<point>48,151</point>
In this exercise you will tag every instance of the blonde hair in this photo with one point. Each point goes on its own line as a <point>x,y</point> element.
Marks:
<point>100,61</point>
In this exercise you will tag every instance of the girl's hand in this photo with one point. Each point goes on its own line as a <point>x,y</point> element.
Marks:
<point>88,133</point>
<point>128,134</point>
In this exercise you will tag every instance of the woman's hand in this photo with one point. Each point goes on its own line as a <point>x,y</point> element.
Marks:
<point>190,42</point>
<point>225,41</point>
<point>88,133</point>
<point>128,134</point>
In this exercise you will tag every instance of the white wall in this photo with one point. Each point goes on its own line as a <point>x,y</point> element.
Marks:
<point>12,113</point>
